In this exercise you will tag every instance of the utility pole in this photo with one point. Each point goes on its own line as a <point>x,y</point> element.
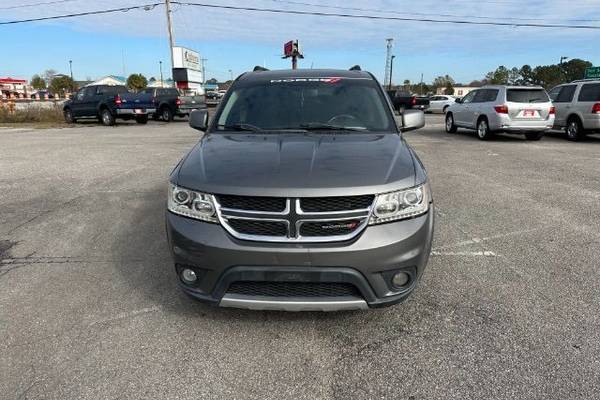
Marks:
<point>421,85</point>
<point>170,29</point>
<point>388,60</point>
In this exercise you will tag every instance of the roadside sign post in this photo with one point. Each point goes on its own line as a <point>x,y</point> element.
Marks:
<point>592,73</point>
<point>291,50</point>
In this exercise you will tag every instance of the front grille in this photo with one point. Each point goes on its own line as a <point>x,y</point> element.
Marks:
<point>253,203</point>
<point>329,228</point>
<point>328,204</point>
<point>260,228</point>
<point>293,289</point>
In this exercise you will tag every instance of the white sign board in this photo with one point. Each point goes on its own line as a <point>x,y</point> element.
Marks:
<point>194,76</point>
<point>186,58</point>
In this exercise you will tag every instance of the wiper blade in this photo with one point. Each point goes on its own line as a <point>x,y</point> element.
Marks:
<point>318,126</point>
<point>241,127</point>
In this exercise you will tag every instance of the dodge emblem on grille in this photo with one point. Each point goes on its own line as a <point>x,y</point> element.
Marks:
<point>349,225</point>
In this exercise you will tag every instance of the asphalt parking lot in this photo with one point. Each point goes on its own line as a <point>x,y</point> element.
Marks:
<point>89,307</point>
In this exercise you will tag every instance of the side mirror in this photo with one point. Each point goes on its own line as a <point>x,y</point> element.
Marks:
<point>199,120</point>
<point>411,120</point>
<point>458,100</point>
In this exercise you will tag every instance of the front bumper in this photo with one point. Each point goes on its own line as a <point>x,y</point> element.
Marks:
<point>366,262</point>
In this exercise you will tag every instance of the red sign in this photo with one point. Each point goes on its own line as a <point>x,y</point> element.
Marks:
<point>288,48</point>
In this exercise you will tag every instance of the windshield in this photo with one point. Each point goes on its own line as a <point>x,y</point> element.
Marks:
<point>527,96</point>
<point>307,103</point>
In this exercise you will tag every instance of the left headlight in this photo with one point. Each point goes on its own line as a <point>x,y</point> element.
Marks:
<point>401,204</point>
<point>191,204</point>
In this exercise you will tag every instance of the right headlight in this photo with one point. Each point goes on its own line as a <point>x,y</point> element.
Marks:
<point>402,204</point>
<point>191,204</point>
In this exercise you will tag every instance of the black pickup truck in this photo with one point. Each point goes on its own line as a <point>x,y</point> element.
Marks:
<point>403,100</point>
<point>169,102</point>
<point>107,103</point>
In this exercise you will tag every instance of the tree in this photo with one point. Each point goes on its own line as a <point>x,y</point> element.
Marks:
<point>48,75</point>
<point>137,82</point>
<point>476,83</point>
<point>548,76</point>
<point>61,84</point>
<point>449,90</point>
<point>37,82</point>
<point>212,80</point>
<point>527,76</point>
<point>499,76</point>
<point>575,69</point>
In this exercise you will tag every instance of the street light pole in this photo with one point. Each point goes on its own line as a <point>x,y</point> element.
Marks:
<point>231,75</point>
<point>391,71</point>
<point>170,29</point>
<point>161,75</point>
<point>71,71</point>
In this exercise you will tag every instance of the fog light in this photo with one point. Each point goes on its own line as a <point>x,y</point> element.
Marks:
<point>188,276</point>
<point>400,279</point>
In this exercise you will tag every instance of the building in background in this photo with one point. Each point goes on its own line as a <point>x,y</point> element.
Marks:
<point>459,91</point>
<point>157,83</point>
<point>14,87</point>
<point>187,71</point>
<point>111,80</point>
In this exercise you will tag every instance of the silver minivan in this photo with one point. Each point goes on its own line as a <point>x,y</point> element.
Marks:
<point>513,109</point>
<point>577,107</point>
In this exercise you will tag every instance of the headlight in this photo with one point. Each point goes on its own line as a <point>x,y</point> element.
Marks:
<point>400,205</point>
<point>191,204</point>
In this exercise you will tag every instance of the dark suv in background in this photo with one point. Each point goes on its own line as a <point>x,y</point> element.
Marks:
<point>301,195</point>
<point>169,102</point>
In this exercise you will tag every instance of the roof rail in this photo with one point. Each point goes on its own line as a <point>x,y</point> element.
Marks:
<point>355,68</point>
<point>585,80</point>
<point>258,68</point>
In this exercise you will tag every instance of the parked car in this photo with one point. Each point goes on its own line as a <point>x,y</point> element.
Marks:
<point>439,104</point>
<point>212,95</point>
<point>221,93</point>
<point>42,94</point>
<point>512,109</point>
<point>577,107</point>
<point>169,103</point>
<point>402,100</point>
<point>301,195</point>
<point>107,103</point>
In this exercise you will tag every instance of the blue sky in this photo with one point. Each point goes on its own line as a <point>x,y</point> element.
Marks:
<point>135,41</point>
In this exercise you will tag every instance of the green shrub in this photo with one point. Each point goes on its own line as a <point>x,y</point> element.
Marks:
<point>31,114</point>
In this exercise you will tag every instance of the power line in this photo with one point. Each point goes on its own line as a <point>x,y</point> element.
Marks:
<point>301,3</point>
<point>378,17</point>
<point>146,7</point>
<point>36,4</point>
<point>312,13</point>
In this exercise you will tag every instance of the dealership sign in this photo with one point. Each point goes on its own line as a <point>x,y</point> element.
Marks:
<point>592,73</point>
<point>186,58</point>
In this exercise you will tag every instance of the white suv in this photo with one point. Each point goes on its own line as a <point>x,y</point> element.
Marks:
<point>512,109</point>
<point>577,107</point>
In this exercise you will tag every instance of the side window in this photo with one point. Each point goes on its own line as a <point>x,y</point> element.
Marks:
<point>553,94</point>
<point>80,94</point>
<point>469,97</point>
<point>492,95</point>
<point>589,92</point>
<point>485,95</point>
<point>566,94</point>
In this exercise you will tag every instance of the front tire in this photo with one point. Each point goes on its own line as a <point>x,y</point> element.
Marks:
<point>106,117</point>
<point>534,135</point>
<point>141,119</point>
<point>574,129</point>
<point>68,114</point>
<point>483,129</point>
<point>450,127</point>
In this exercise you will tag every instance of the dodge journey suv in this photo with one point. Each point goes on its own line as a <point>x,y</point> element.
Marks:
<point>512,109</point>
<point>301,195</point>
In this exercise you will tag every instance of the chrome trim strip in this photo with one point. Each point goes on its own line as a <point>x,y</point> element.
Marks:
<point>301,212</point>
<point>285,304</point>
<point>224,214</point>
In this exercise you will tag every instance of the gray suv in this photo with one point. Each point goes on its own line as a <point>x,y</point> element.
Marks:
<point>577,107</point>
<point>511,109</point>
<point>301,195</point>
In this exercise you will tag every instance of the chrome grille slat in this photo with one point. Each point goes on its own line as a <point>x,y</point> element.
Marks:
<point>294,217</point>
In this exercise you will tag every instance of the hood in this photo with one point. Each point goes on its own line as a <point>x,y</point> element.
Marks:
<point>298,164</point>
